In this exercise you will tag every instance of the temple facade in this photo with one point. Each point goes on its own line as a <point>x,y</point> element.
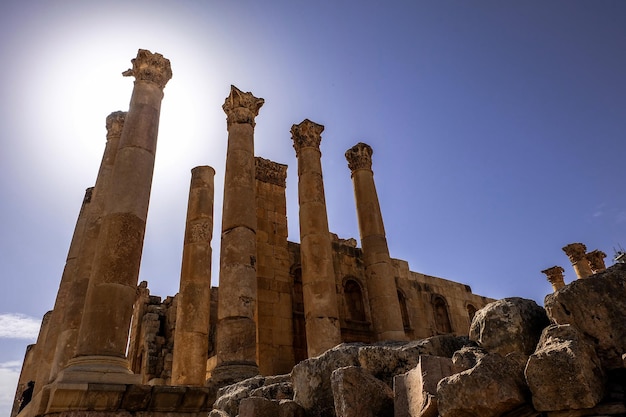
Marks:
<point>108,344</point>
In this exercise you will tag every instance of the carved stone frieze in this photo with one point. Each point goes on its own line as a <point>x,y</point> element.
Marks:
<point>307,134</point>
<point>575,251</point>
<point>270,172</point>
<point>115,123</point>
<point>359,157</point>
<point>150,67</point>
<point>241,107</point>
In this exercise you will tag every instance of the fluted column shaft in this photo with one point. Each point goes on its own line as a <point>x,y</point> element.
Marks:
<point>321,309</point>
<point>381,283</point>
<point>576,253</point>
<point>191,339</point>
<point>555,277</point>
<point>110,296</point>
<point>236,327</point>
<point>72,314</point>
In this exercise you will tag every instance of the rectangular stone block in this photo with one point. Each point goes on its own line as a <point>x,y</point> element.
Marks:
<point>195,400</point>
<point>136,397</point>
<point>415,392</point>
<point>258,407</point>
<point>166,398</point>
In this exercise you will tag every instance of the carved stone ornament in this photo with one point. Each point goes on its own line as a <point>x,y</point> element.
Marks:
<point>575,251</point>
<point>199,232</point>
<point>115,123</point>
<point>359,157</point>
<point>307,134</point>
<point>241,107</point>
<point>150,67</point>
<point>270,172</point>
<point>596,260</point>
<point>554,274</point>
<point>88,195</point>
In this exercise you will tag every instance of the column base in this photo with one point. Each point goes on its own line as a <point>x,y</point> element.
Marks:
<point>231,373</point>
<point>100,369</point>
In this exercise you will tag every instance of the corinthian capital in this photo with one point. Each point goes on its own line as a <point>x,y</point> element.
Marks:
<point>241,107</point>
<point>575,252</point>
<point>359,157</point>
<point>554,274</point>
<point>151,68</point>
<point>115,123</point>
<point>596,260</point>
<point>307,134</point>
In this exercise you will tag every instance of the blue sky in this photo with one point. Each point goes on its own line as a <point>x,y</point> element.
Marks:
<point>497,129</point>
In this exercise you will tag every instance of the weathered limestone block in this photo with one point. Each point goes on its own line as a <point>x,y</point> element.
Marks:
<point>290,408</point>
<point>564,372</point>
<point>489,389</point>
<point>218,413</point>
<point>276,391</point>
<point>357,393</point>
<point>509,325</point>
<point>386,360</point>
<point>415,392</point>
<point>258,407</point>
<point>597,307</point>
<point>467,357</point>
<point>229,397</point>
<point>311,379</point>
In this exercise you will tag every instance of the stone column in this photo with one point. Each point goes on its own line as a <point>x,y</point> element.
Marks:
<point>191,339</point>
<point>103,334</point>
<point>321,311</point>
<point>381,283</point>
<point>54,321</point>
<point>576,253</point>
<point>596,260</point>
<point>236,326</point>
<point>555,277</point>
<point>73,311</point>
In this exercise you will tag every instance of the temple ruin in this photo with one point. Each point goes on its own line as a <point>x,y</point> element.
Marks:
<point>111,348</point>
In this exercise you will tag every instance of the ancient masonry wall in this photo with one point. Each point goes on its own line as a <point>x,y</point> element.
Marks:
<point>274,315</point>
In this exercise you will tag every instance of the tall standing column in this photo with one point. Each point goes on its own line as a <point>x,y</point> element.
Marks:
<point>576,253</point>
<point>191,339</point>
<point>72,314</point>
<point>321,311</point>
<point>236,327</point>
<point>381,283</point>
<point>46,347</point>
<point>103,334</point>
<point>555,277</point>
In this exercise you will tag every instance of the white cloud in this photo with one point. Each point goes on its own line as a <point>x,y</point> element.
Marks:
<point>9,375</point>
<point>18,326</point>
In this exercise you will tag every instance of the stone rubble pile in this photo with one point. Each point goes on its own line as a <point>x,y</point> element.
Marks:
<point>520,360</point>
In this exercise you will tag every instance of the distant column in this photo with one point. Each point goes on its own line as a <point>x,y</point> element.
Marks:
<point>596,260</point>
<point>73,312</point>
<point>321,310</point>
<point>555,277</point>
<point>236,326</point>
<point>38,355</point>
<point>54,322</point>
<point>381,283</point>
<point>191,339</point>
<point>576,253</point>
<point>103,334</point>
